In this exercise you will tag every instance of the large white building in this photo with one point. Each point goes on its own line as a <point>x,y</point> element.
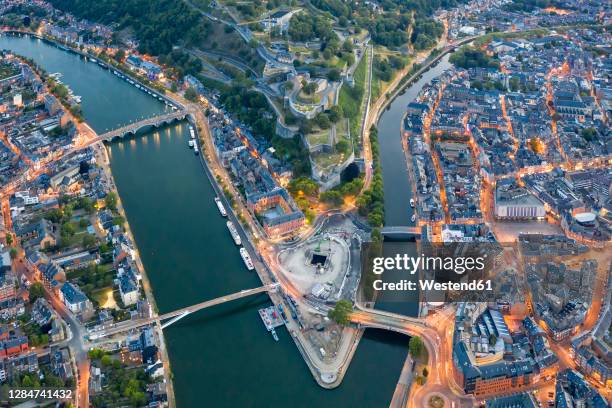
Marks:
<point>515,202</point>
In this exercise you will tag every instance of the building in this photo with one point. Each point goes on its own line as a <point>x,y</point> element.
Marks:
<point>14,366</point>
<point>279,19</point>
<point>148,348</point>
<point>53,275</point>
<point>52,104</point>
<point>60,363</point>
<point>7,278</point>
<point>41,312</point>
<point>276,210</point>
<point>515,202</point>
<point>572,390</point>
<point>40,233</point>
<point>74,299</point>
<point>491,379</point>
<point>128,289</point>
<point>14,345</point>
<point>522,400</point>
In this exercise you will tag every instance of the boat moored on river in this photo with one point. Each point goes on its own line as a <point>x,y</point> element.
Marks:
<point>220,206</point>
<point>246,259</point>
<point>234,232</point>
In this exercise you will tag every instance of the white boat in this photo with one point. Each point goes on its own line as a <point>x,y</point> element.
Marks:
<point>412,202</point>
<point>220,207</point>
<point>247,259</point>
<point>191,143</point>
<point>413,218</point>
<point>274,335</point>
<point>195,149</point>
<point>191,132</point>
<point>234,232</point>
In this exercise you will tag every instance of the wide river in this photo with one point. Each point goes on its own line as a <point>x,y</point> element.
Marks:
<point>220,357</point>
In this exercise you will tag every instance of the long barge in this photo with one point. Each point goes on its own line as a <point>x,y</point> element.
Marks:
<point>234,232</point>
<point>220,206</point>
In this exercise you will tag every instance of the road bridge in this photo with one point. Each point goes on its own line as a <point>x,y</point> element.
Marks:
<point>383,319</point>
<point>176,315</point>
<point>401,232</point>
<point>133,127</point>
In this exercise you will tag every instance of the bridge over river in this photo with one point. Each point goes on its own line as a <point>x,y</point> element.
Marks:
<point>364,317</point>
<point>178,314</point>
<point>401,232</point>
<point>154,121</point>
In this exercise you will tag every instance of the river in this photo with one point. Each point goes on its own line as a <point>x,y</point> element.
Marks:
<point>220,357</point>
<point>397,188</point>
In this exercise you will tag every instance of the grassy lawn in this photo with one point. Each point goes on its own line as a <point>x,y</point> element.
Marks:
<point>104,297</point>
<point>322,136</point>
<point>350,99</point>
<point>327,160</point>
<point>342,129</point>
<point>304,98</point>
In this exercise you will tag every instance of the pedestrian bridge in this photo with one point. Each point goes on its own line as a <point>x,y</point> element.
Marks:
<point>153,121</point>
<point>174,316</point>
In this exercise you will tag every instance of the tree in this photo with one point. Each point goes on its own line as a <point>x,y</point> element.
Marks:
<point>120,55</point>
<point>514,84</point>
<point>425,372</point>
<point>589,134</point>
<point>68,229</point>
<point>332,197</point>
<point>9,239</point>
<point>335,113</point>
<point>347,46</point>
<point>416,347</point>
<point>305,186</point>
<point>309,88</point>
<point>111,200</point>
<point>191,94</point>
<point>88,241</point>
<point>37,291</point>
<point>106,360</point>
<point>492,339</point>
<point>13,253</point>
<point>333,75</point>
<point>341,312</point>
<point>322,120</point>
<point>96,353</point>
<point>343,146</point>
